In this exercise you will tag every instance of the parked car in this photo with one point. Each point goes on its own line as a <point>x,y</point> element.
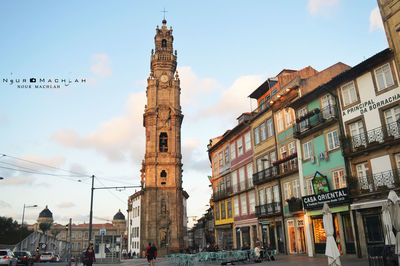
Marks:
<point>24,257</point>
<point>47,257</point>
<point>7,257</point>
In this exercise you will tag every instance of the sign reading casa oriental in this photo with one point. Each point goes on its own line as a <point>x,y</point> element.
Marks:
<point>334,197</point>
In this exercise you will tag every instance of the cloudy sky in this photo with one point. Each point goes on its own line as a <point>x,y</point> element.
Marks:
<point>226,49</point>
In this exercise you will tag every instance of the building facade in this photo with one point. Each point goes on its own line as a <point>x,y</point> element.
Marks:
<point>163,201</point>
<point>133,227</point>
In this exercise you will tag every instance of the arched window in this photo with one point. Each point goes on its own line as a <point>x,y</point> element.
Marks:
<point>164,43</point>
<point>163,174</point>
<point>163,142</point>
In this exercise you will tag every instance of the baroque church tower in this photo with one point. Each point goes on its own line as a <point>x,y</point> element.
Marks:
<point>163,210</point>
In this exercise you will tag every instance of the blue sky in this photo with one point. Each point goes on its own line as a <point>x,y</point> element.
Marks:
<point>226,49</point>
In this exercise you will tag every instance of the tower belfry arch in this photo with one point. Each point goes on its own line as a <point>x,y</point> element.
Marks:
<point>163,212</point>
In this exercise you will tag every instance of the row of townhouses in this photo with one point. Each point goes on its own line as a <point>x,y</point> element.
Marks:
<point>330,136</point>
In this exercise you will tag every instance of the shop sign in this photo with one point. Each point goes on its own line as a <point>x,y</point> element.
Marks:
<point>333,197</point>
<point>320,183</point>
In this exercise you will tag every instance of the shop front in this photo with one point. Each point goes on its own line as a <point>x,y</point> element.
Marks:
<point>246,234</point>
<point>343,232</point>
<point>296,235</point>
<point>224,236</point>
<point>272,234</point>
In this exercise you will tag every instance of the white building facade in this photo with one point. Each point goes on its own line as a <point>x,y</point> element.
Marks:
<point>134,223</point>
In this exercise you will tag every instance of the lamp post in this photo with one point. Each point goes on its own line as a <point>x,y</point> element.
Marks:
<point>23,213</point>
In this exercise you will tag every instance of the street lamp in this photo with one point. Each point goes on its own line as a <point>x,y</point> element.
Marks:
<point>23,213</point>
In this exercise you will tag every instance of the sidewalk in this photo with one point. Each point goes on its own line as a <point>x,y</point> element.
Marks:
<point>281,260</point>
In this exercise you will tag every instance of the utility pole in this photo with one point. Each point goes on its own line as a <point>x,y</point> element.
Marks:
<point>91,212</point>
<point>70,245</point>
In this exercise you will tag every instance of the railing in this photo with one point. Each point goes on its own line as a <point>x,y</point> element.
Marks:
<point>268,209</point>
<point>219,195</point>
<point>288,166</point>
<point>379,181</point>
<point>314,118</point>
<point>265,175</point>
<point>295,204</point>
<point>375,136</point>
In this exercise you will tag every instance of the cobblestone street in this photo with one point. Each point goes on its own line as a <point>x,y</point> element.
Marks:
<point>281,260</point>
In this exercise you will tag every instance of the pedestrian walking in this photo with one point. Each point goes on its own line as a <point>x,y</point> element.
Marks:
<point>148,254</point>
<point>89,257</point>
<point>153,252</point>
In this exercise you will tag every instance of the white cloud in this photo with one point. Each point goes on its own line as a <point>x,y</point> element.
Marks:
<point>41,163</point>
<point>4,204</point>
<point>64,205</point>
<point>321,7</point>
<point>101,65</point>
<point>114,137</point>
<point>234,100</point>
<point>194,89</point>
<point>18,181</point>
<point>375,20</point>
<point>194,156</point>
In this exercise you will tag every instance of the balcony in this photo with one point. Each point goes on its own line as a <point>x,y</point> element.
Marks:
<point>222,194</point>
<point>378,182</point>
<point>371,139</point>
<point>287,165</point>
<point>295,204</point>
<point>314,120</point>
<point>242,186</point>
<point>268,209</point>
<point>265,175</point>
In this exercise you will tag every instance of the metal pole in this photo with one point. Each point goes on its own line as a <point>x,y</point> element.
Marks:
<point>23,216</point>
<point>91,212</point>
<point>70,245</point>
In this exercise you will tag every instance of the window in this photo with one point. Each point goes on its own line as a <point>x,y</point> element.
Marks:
<point>283,152</point>
<point>286,190</point>
<point>223,213</point>
<point>309,186</point>
<point>233,150</point>
<point>338,179</point>
<point>215,162</point>
<point>362,174</point>
<point>256,135</point>
<point>292,147</point>
<point>279,120</point>
<point>164,43</point>
<point>392,115</point>
<point>252,201</point>
<point>384,77</point>
<point>242,178</point>
<point>236,206</point>
<point>288,117</point>
<point>272,156</point>
<point>305,123</point>
<point>221,161</point>
<point>226,155</point>
<point>276,193</point>
<point>262,105</point>
<point>268,192</point>
<point>349,94</point>
<point>262,131</point>
<point>260,164</point>
<point>261,196</point>
<point>229,208</point>
<point>296,188</point>
<point>397,159</point>
<point>327,106</point>
<point>217,211</point>
<point>250,174</point>
<point>163,142</point>
<point>333,140</point>
<point>307,150</point>
<point>240,146</point>
<point>247,139</point>
<point>270,128</point>
<point>357,133</point>
<point>86,235</point>
<point>234,181</point>
<point>243,204</point>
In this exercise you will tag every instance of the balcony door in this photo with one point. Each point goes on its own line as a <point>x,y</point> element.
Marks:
<point>357,134</point>
<point>392,118</point>
<point>326,106</point>
<point>305,123</point>
<point>362,174</point>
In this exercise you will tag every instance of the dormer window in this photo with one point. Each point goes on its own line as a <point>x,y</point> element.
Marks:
<point>163,142</point>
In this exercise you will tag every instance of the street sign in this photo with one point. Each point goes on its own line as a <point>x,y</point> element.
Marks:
<point>102,232</point>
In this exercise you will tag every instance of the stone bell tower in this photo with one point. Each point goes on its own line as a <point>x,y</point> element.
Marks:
<point>163,204</point>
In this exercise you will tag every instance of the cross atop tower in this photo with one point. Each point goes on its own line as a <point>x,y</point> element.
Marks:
<point>164,12</point>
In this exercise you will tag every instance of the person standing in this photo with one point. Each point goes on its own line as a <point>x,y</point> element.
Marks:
<point>153,252</point>
<point>148,254</point>
<point>89,256</point>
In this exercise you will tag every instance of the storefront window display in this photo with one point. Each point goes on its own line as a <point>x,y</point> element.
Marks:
<point>292,236</point>
<point>320,235</point>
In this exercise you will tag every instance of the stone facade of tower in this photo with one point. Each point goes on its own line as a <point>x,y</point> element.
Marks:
<point>163,212</point>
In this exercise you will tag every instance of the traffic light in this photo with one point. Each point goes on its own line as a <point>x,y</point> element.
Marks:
<point>66,227</point>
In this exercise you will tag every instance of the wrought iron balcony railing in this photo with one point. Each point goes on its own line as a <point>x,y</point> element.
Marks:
<point>376,182</point>
<point>295,204</point>
<point>374,136</point>
<point>265,175</point>
<point>314,118</point>
<point>268,209</point>
<point>222,194</point>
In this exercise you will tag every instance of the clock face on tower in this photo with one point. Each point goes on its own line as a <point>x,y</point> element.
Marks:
<point>164,78</point>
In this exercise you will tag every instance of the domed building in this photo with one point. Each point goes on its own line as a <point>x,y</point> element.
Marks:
<point>119,221</point>
<point>45,216</point>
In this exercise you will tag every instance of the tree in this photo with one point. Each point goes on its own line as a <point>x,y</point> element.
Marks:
<point>11,232</point>
<point>44,227</point>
